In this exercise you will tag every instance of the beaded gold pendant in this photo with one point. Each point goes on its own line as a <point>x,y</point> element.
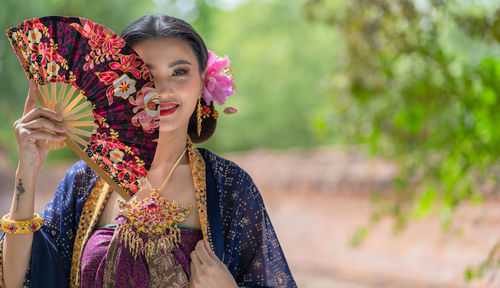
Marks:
<point>149,226</point>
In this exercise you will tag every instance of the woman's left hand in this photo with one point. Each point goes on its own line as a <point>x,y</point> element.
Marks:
<point>207,270</point>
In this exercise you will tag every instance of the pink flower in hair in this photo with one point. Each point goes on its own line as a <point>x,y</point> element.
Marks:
<point>219,82</point>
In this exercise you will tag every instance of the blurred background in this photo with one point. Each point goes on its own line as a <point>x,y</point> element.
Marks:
<point>371,128</point>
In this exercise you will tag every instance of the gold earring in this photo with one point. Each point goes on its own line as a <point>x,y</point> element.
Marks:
<point>198,117</point>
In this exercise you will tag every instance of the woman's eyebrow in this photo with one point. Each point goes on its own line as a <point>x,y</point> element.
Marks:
<point>178,62</point>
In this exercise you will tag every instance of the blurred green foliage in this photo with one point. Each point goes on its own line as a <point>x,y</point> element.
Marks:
<point>420,83</point>
<point>273,49</point>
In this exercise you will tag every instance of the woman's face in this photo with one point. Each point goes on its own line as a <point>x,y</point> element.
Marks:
<point>175,71</point>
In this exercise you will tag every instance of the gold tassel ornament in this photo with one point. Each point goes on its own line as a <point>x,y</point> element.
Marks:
<point>149,226</point>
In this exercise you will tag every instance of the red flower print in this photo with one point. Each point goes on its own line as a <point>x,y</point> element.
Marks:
<point>100,37</point>
<point>104,43</point>
<point>35,24</point>
<point>108,78</point>
<point>45,53</point>
<point>127,64</point>
<point>145,73</point>
<point>146,113</point>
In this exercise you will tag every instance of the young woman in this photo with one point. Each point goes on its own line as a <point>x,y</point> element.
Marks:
<point>90,237</point>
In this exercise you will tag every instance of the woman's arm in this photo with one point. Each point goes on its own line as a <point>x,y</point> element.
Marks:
<point>17,247</point>
<point>244,238</point>
<point>50,254</point>
<point>36,124</point>
<point>260,259</point>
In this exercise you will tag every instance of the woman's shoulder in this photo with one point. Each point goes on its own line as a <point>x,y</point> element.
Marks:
<point>78,178</point>
<point>235,186</point>
<point>222,165</point>
<point>80,169</point>
<point>228,175</point>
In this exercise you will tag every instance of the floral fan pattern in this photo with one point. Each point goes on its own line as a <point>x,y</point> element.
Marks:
<point>111,77</point>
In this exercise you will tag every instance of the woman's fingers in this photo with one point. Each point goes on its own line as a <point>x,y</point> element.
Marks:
<point>195,260</point>
<point>211,253</point>
<point>207,271</point>
<point>40,135</point>
<point>31,111</point>
<point>202,252</point>
<point>38,112</point>
<point>194,267</point>
<point>30,103</point>
<point>214,257</point>
<point>43,123</point>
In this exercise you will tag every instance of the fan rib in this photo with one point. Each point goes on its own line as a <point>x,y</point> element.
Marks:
<point>73,103</point>
<point>79,116</point>
<point>59,101</point>
<point>81,123</point>
<point>80,131</point>
<point>46,96</point>
<point>62,93</point>
<point>77,109</point>
<point>45,91</point>
<point>53,90</point>
<point>41,98</point>
<point>77,138</point>
<point>68,96</point>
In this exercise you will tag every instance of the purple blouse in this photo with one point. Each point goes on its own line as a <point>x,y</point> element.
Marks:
<point>130,272</point>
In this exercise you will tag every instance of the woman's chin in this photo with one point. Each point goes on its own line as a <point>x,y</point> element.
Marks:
<point>169,125</point>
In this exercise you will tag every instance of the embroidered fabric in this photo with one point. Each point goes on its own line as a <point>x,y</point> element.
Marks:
<point>155,218</point>
<point>105,266</point>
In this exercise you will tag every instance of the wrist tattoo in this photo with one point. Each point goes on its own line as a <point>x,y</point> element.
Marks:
<point>20,190</point>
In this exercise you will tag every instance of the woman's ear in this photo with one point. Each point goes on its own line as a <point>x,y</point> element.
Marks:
<point>202,77</point>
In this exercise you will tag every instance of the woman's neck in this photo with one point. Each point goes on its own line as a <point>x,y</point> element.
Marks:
<point>169,149</point>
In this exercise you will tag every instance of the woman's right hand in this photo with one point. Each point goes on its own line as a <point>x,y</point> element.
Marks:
<point>36,124</point>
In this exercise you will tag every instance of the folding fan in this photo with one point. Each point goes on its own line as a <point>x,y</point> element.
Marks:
<point>100,86</point>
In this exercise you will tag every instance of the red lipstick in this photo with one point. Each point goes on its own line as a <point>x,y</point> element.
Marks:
<point>168,109</point>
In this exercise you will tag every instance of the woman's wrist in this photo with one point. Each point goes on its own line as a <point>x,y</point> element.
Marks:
<point>23,202</point>
<point>26,171</point>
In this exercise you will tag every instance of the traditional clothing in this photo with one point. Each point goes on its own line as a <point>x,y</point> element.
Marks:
<point>120,268</point>
<point>232,215</point>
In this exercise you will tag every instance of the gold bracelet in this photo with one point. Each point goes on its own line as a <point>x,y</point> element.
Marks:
<point>24,226</point>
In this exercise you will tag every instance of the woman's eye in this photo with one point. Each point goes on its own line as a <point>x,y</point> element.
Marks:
<point>180,72</point>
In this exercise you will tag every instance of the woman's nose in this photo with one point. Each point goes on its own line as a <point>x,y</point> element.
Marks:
<point>163,86</point>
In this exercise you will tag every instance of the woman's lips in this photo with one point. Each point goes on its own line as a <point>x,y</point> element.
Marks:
<point>168,109</point>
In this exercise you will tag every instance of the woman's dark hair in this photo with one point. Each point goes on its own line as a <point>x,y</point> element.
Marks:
<point>153,26</point>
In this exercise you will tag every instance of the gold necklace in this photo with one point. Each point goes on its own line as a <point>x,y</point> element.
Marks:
<point>142,224</point>
<point>168,176</point>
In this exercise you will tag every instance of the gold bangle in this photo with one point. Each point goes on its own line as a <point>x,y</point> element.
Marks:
<point>24,226</point>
